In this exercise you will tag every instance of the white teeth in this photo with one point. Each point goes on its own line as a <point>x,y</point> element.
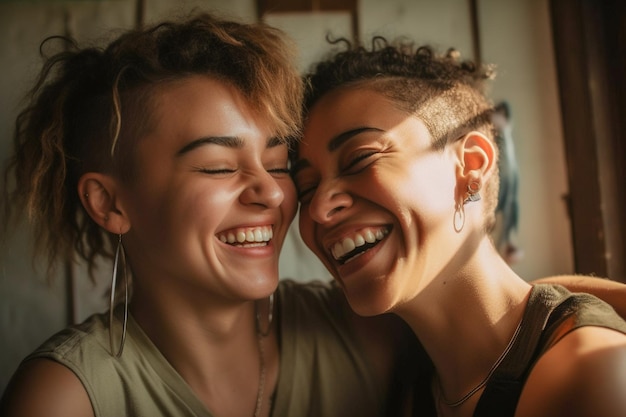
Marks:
<point>259,235</point>
<point>348,245</point>
<point>359,239</point>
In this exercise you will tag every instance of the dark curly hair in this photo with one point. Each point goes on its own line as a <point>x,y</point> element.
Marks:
<point>89,105</point>
<point>448,94</point>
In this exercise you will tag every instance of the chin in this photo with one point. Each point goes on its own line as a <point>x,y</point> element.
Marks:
<point>264,286</point>
<point>369,299</point>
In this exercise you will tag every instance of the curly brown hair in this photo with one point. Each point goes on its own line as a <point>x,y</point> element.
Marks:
<point>447,93</point>
<point>90,104</point>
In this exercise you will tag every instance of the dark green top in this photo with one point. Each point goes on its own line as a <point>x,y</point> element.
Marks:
<point>551,313</point>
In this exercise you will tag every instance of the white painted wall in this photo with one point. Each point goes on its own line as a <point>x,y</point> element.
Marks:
<point>515,35</point>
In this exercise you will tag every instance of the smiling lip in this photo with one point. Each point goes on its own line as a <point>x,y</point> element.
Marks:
<point>247,236</point>
<point>359,242</point>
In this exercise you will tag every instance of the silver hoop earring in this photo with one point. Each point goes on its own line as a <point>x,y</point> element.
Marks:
<point>270,317</point>
<point>458,220</point>
<point>119,253</point>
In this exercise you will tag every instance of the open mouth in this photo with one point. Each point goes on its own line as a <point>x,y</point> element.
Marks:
<point>247,237</point>
<point>353,246</point>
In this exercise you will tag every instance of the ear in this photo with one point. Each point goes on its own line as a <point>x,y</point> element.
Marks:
<point>477,157</point>
<point>99,197</point>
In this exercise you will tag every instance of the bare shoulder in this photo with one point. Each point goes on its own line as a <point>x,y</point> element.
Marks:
<point>583,375</point>
<point>42,387</point>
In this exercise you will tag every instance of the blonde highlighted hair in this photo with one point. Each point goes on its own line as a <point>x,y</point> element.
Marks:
<point>89,105</point>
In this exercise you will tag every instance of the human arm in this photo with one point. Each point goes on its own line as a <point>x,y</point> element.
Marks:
<point>583,375</point>
<point>42,387</point>
<point>612,292</point>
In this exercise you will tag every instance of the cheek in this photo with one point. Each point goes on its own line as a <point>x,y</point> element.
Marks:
<point>199,210</point>
<point>305,224</point>
<point>425,189</point>
<point>290,201</point>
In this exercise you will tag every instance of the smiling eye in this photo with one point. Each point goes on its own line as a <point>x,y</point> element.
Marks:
<point>306,190</point>
<point>305,196</point>
<point>279,171</point>
<point>359,162</point>
<point>217,171</point>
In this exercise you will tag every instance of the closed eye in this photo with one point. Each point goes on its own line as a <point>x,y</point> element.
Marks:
<point>306,195</point>
<point>355,164</point>
<point>220,171</point>
<point>279,170</point>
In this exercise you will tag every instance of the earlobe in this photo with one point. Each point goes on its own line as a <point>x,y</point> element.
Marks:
<point>98,194</point>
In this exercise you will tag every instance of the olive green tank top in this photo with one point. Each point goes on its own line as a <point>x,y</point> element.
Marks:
<point>322,369</point>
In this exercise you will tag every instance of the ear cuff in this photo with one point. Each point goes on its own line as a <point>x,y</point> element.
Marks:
<point>473,193</point>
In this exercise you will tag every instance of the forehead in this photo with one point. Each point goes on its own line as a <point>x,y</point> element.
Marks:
<point>353,105</point>
<point>195,108</point>
<point>352,117</point>
<point>347,109</point>
<point>191,100</point>
<point>202,105</point>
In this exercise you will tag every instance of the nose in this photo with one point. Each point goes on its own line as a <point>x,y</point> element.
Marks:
<point>263,190</point>
<point>327,202</point>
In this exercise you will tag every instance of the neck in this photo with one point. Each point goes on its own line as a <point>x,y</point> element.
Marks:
<point>470,325</point>
<point>216,350</point>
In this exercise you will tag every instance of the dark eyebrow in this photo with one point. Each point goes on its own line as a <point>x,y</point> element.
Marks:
<point>341,138</point>
<point>334,144</point>
<point>227,141</point>
<point>274,142</point>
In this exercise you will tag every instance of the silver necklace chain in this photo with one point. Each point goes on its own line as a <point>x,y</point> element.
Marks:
<point>259,394</point>
<point>260,336</point>
<point>470,394</point>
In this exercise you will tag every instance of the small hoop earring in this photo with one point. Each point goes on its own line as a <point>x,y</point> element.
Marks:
<point>119,253</point>
<point>458,220</point>
<point>270,317</point>
<point>473,194</point>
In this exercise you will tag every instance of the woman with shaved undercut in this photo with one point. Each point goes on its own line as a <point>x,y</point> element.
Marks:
<point>397,180</point>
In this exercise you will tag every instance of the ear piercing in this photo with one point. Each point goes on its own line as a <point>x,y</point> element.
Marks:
<point>86,195</point>
<point>473,194</point>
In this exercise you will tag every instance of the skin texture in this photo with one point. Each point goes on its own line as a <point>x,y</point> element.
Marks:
<point>177,205</point>
<point>210,166</point>
<point>364,164</point>
<point>190,285</point>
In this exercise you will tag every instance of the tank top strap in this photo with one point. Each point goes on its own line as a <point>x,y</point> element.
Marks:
<point>501,394</point>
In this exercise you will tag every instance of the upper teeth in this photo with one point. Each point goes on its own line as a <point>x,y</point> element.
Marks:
<point>247,235</point>
<point>348,244</point>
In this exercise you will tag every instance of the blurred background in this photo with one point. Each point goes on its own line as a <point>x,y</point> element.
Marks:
<point>561,67</point>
